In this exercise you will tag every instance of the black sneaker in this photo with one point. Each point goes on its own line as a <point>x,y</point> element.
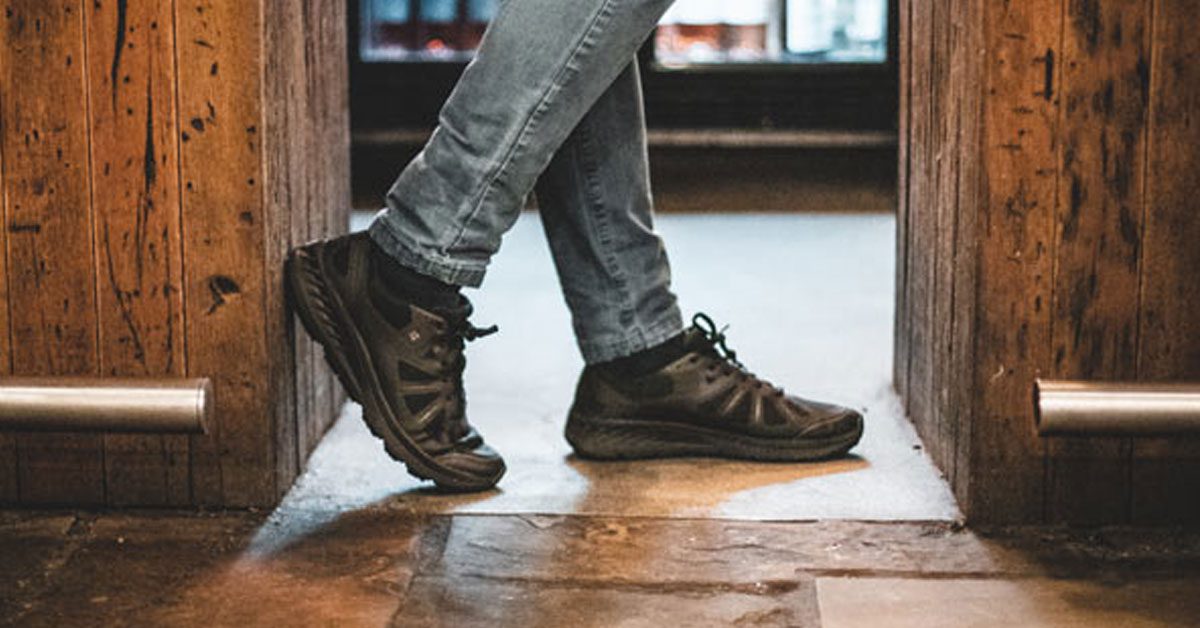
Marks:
<point>404,364</point>
<point>703,404</point>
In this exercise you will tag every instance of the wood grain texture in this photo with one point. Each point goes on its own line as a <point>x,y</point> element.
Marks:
<point>1015,234</point>
<point>306,133</point>
<point>1051,190</point>
<point>139,262</point>
<point>901,329</point>
<point>220,108</point>
<point>1105,86</point>
<point>285,213</point>
<point>311,428</point>
<point>920,224</point>
<point>325,117</point>
<point>946,118</point>
<point>960,406</point>
<point>9,484</point>
<point>146,225</point>
<point>47,215</point>
<point>336,129</point>
<point>1166,472</point>
<point>935,309</point>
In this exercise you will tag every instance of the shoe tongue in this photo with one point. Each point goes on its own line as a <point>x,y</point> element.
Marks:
<point>695,340</point>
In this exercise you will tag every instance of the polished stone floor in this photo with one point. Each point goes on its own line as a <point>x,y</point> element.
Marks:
<point>871,540</point>
<point>384,565</point>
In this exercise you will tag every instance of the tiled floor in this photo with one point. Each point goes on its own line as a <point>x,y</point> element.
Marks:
<point>867,542</point>
<point>382,566</point>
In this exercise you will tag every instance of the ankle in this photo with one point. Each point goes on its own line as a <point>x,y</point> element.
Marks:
<point>646,361</point>
<point>422,290</point>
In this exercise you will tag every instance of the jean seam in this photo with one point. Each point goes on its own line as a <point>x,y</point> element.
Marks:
<point>600,217</point>
<point>556,85</point>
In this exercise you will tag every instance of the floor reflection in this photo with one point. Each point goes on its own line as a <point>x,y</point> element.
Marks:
<point>690,487</point>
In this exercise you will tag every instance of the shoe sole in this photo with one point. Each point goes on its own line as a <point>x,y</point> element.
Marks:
<point>631,439</point>
<point>327,320</point>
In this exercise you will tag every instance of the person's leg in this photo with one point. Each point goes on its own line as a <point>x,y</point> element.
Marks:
<point>597,211</point>
<point>540,68</point>
<point>385,305</point>
<point>652,389</point>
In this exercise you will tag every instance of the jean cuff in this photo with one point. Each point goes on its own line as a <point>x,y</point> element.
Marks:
<point>638,339</point>
<point>430,263</point>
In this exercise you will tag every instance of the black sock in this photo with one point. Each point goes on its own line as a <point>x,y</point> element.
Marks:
<point>646,361</point>
<point>423,291</point>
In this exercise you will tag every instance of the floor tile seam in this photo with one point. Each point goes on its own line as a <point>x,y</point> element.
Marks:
<point>765,588</point>
<point>950,525</point>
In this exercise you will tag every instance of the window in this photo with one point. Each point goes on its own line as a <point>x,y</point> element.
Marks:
<point>744,64</point>
<point>693,32</point>
<point>755,31</point>
<point>423,30</point>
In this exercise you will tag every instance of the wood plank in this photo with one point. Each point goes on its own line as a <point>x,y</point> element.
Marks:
<point>901,330</point>
<point>1104,89</point>
<point>920,224</point>
<point>1166,472</point>
<point>286,152</point>
<point>134,157</point>
<point>969,190</point>
<point>320,203</point>
<point>9,486</point>
<point>946,120</point>
<point>337,152</point>
<point>219,55</point>
<point>1015,232</point>
<point>49,222</point>
<point>308,129</point>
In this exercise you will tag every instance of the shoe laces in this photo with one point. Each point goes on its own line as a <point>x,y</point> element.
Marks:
<point>454,363</point>
<point>456,335</point>
<point>716,338</point>
<point>728,363</point>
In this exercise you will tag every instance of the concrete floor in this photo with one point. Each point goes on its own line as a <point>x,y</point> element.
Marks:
<point>809,302</point>
<point>864,542</point>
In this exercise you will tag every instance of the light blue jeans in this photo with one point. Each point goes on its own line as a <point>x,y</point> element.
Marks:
<point>553,101</point>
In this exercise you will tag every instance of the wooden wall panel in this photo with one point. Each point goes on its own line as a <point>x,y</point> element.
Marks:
<point>900,343</point>
<point>1015,234</point>
<point>286,213</point>
<point>920,222</point>
<point>134,153</point>
<point>326,122</point>
<point>335,129</point>
<point>336,151</point>
<point>307,197</point>
<point>1166,472</point>
<point>946,117</point>
<point>307,135</point>
<point>157,162</point>
<point>1105,74</point>
<point>935,310</point>
<point>959,408</point>
<point>9,485</point>
<point>1051,189</point>
<point>220,109</point>
<point>48,218</point>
